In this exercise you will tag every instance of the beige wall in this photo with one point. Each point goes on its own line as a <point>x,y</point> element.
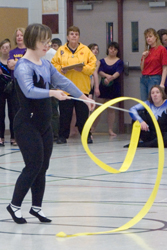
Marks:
<point>93,29</point>
<point>93,23</point>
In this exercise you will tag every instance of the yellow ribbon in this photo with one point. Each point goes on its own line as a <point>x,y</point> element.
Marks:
<point>127,162</point>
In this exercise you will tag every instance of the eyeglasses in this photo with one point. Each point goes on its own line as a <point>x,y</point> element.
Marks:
<point>5,47</point>
<point>46,43</point>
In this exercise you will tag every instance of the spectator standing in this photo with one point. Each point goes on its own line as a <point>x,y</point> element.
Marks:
<point>49,54</point>
<point>83,63</point>
<point>55,114</point>
<point>56,43</point>
<point>163,37</point>
<point>153,63</point>
<point>14,56</point>
<point>95,50</point>
<point>109,68</point>
<point>5,77</point>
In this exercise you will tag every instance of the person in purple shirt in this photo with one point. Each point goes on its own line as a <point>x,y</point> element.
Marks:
<point>19,51</point>
<point>14,56</point>
<point>157,102</point>
<point>109,68</point>
<point>32,124</point>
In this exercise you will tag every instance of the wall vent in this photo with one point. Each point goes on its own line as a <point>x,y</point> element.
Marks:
<point>84,7</point>
<point>157,4</point>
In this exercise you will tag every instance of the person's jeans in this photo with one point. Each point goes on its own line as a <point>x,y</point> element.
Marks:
<point>146,83</point>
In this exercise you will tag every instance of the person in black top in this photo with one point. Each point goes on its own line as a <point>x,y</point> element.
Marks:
<point>32,124</point>
<point>5,77</point>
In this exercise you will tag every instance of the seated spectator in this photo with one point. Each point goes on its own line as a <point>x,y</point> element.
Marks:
<point>157,102</point>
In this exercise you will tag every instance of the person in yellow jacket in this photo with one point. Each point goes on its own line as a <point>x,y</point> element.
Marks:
<point>76,61</point>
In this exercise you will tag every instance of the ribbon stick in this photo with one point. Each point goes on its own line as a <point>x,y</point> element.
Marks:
<point>98,103</point>
<point>127,162</point>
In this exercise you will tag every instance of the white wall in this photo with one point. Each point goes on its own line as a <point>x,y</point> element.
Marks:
<point>14,3</point>
<point>35,13</point>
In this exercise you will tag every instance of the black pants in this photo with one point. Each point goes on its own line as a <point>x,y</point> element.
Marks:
<point>151,142</point>
<point>66,111</point>
<point>3,99</point>
<point>149,138</point>
<point>15,101</point>
<point>36,149</point>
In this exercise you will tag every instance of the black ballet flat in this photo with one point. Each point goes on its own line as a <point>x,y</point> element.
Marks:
<point>16,219</point>
<point>41,218</point>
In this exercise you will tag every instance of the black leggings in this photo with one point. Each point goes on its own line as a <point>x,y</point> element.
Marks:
<point>151,142</point>
<point>36,149</point>
<point>149,138</point>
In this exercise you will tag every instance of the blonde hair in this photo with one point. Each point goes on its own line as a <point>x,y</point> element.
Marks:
<point>152,31</point>
<point>15,34</point>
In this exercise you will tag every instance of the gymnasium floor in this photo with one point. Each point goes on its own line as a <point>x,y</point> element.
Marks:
<point>82,197</point>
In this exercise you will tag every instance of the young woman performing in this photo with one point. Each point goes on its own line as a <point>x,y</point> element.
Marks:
<point>32,126</point>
